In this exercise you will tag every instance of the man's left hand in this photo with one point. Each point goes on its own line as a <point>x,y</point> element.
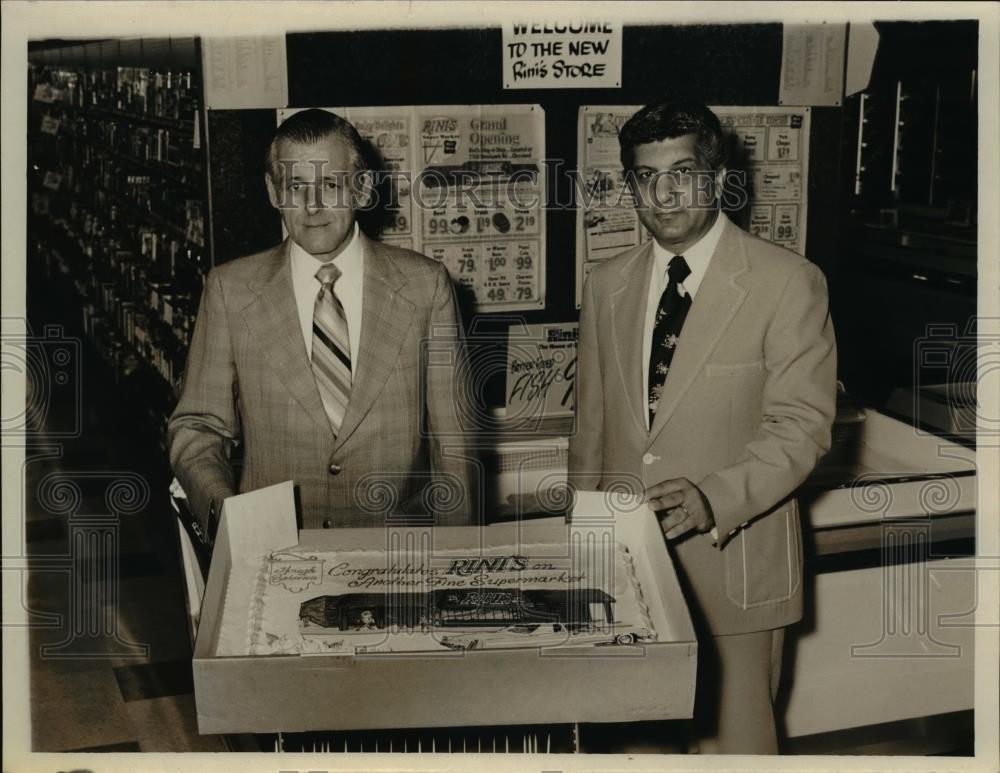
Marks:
<point>681,506</point>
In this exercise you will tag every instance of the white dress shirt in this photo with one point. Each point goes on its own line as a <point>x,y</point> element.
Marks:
<point>697,257</point>
<point>349,289</point>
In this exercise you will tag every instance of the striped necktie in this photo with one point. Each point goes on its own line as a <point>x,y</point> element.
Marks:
<point>331,348</point>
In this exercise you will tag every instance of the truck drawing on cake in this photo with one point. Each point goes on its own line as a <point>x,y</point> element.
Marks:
<point>547,635</point>
<point>496,616</point>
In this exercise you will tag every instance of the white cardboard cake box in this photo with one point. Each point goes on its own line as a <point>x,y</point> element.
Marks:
<point>293,693</point>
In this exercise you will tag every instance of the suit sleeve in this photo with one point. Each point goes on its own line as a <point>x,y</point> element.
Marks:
<point>586,446</point>
<point>449,408</point>
<point>799,405</point>
<point>205,422</point>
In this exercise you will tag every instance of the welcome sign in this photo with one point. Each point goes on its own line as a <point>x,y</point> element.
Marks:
<point>562,55</point>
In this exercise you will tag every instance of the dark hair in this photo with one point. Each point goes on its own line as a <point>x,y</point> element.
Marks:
<point>671,119</point>
<point>314,125</point>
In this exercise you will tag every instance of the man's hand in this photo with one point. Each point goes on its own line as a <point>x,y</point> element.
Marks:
<point>681,506</point>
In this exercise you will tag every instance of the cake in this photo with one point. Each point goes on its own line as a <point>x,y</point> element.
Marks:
<point>348,602</point>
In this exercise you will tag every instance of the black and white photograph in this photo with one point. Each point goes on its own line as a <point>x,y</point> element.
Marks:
<point>526,386</point>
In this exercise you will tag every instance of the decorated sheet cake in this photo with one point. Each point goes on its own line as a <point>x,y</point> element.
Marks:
<point>299,601</point>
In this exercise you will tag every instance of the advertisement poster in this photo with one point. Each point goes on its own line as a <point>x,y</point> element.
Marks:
<point>769,148</point>
<point>465,186</point>
<point>541,371</point>
<point>812,64</point>
<point>245,72</point>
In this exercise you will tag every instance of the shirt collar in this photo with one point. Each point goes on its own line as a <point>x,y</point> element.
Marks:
<point>697,256</point>
<point>349,261</point>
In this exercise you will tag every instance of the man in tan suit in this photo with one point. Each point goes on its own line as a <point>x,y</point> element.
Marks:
<point>707,381</point>
<point>334,359</point>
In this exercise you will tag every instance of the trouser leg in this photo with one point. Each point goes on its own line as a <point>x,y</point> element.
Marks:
<point>737,683</point>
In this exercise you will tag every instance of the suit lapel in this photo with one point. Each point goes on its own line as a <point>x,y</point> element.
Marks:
<point>718,299</point>
<point>628,312</point>
<point>274,323</point>
<point>385,320</point>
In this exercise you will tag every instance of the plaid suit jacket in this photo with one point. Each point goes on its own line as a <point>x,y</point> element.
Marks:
<point>248,379</point>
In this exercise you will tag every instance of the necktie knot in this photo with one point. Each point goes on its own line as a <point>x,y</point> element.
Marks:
<point>678,269</point>
<point>327,274</point>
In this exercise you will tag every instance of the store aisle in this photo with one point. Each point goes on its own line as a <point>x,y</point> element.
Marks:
<point>110,652</point>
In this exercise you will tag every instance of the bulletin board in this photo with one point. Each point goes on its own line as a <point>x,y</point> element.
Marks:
<point>735,65</point>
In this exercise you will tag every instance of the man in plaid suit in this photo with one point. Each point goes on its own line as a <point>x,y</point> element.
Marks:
<point>337,361</point>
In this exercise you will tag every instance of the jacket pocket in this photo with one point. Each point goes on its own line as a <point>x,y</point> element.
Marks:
<point>764,560</point>
<point>723,370</point>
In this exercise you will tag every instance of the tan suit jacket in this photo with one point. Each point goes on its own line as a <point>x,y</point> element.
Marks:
<point>249,378</point>
<point>745,415</point>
